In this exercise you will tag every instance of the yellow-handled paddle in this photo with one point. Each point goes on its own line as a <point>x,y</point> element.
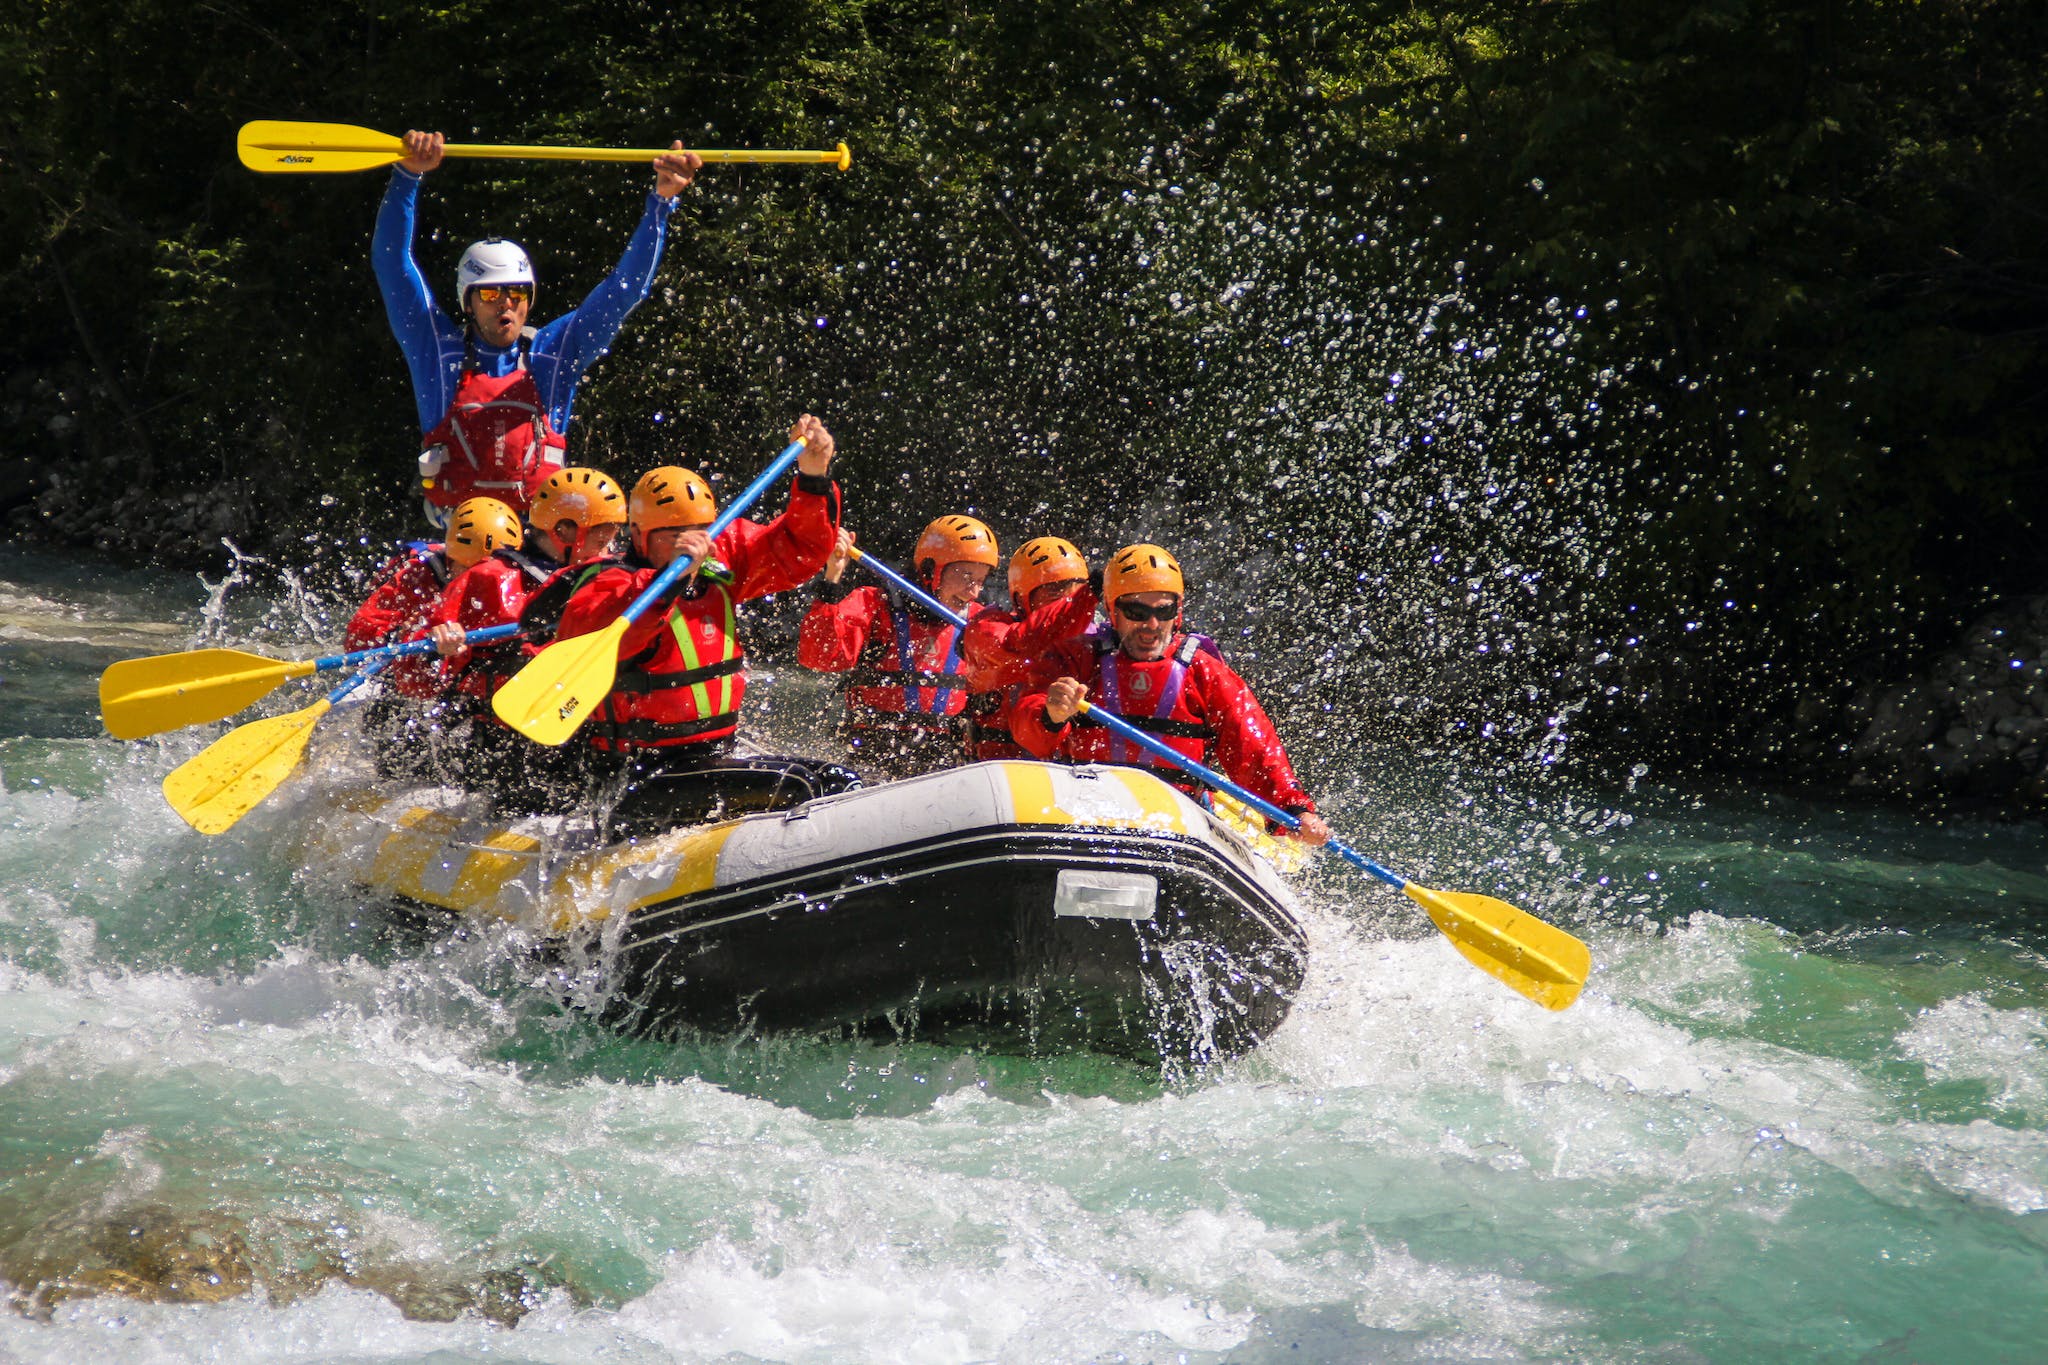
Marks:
<point>142,697</point>
<point>230,777</point>
<point>1540,960</point>
<point>560,686</point>
<point>281,146</point>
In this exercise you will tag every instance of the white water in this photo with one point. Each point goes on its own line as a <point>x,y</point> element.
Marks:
<point>1798,1111</point>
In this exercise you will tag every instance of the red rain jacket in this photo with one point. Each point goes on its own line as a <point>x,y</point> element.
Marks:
<point>1212,717</point>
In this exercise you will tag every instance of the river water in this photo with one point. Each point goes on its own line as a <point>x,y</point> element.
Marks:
<point>1799,1110</point>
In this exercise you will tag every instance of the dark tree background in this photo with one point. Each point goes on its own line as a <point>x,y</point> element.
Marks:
<point>1616,370</point>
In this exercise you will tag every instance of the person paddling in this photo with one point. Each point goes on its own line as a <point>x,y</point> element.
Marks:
<point>675,699</point>
<point>576,517</point>
<point>1163,682</point>
<point>408,585</point>
<point>1051,600</point>
<point>900,666</point>
<point>407,715</point>
<point>495,395</point>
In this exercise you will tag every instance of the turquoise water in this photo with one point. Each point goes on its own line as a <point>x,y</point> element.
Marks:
<point>1798,1112</point>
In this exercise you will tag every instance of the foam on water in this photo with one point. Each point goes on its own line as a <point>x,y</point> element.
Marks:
<point>1798,1109</point>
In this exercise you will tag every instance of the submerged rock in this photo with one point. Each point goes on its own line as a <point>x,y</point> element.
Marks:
<point>152,1253</point>
<point>159,1254</point>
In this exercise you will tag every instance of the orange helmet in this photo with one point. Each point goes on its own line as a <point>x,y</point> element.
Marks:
<point>585,496</point>
<point>1141,568</point>
<point>480,526</point>
<point>1047,559</point>
<point>954,540</point>
<point>669,496</point>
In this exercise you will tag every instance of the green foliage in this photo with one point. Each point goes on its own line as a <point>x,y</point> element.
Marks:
<point>1620,311</point>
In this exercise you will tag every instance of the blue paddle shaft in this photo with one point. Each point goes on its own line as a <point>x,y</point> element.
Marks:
<point>363,675</point>
<point>923,598</point>
<point>389,652</point>
<point>1118,725</point>
<point>668,577</point>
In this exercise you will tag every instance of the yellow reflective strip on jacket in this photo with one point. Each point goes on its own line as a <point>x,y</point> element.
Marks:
<point>686,641</point>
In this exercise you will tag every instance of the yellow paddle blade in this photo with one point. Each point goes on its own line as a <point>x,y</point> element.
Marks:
<point>141,697</point>
<point>231,776</point>
<point>561,685</point>
<point>1540,960</point>
<point>278,145</point>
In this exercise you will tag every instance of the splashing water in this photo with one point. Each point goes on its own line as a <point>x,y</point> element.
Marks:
<point>1799,1108</point>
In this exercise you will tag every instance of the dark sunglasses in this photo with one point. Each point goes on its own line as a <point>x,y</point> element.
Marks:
<point>1138,612</point>
<point>491,293</point>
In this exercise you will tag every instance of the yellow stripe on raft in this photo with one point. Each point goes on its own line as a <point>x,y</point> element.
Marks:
<point>1031,799</point>
<point>401,861</point>
<point>417,860</point>
<point>618,881</point>
<point>1155,798</point>
<point>481,883</point>
<point>1152,804</point>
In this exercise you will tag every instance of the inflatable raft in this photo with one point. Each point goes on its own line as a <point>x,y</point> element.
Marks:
<point>1026,904</point>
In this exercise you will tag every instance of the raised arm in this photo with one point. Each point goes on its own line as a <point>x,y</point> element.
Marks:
<point>1001,649</point>
<point>589,332</point>
<point>833,634</point>
<point>408,303</point>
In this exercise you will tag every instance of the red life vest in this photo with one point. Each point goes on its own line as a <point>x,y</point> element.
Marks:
<point>918,694</point>
<point>407,589</point>
<point>687,688</point>
<point>492,592</point>
<point>988,737</point>
<point>498,439</point>
<point>1151,696</point>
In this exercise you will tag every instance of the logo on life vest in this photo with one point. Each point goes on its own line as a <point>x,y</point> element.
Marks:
<point>1141,684</point>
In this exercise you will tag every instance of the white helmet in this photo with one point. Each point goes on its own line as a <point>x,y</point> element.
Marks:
<point>491,261</point>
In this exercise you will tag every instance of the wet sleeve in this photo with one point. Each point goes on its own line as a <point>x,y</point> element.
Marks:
<point>471,600</point>
<point>835,633</point>
<point>1005,650</point>
<point>1247,749</point>
<point>379,615</point>
<point>598,603</point>
<point>1028,725</point>
<point>787,552</point>
<point>985,648</point>
<point>495,601</point>
<point>1030,729</point>
<point>1055,623</point>
<point>427,675</point>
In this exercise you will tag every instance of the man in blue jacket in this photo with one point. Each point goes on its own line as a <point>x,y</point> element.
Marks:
<point>495,395</point>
